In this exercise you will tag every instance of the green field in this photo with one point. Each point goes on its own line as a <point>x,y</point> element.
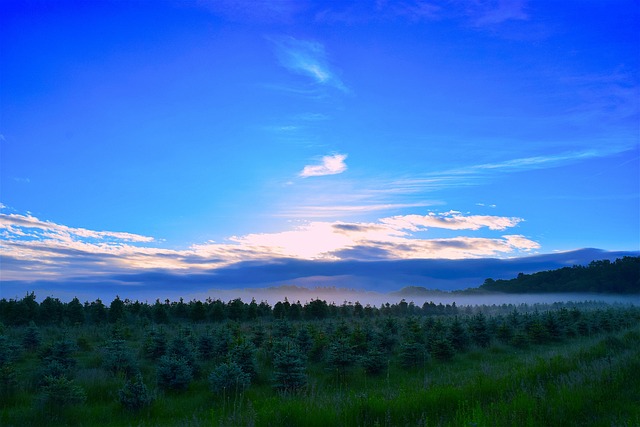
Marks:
<point>563,364</point>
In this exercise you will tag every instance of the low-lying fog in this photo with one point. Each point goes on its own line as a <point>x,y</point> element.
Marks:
<point>339,296</point>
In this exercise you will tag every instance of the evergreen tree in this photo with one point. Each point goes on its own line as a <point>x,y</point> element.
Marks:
<point>182,348</point>
<point>304,340</point>
<point>289,369</point>
<point>458,335</point>
<point>116,310</point>
<point>174,373</point>
<point>441,349</point>
<point>155,345</point>
<point>479,330</point>
<point>228,377</point>
<point>31,340</point>
<point>117,358</point>
<point>243,354</point>
<point>374,362</point>
<point>340,355</point>
<point>8,373</point>
<point>75,312</point>
<point>61,391</point>
<point>134,395</point>
<point>206,346</point>
<point>412,354</point>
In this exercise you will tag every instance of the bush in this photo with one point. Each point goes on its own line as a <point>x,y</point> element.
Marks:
<point>228,376</point>
<point>174,373</point>
<point>134,395</point>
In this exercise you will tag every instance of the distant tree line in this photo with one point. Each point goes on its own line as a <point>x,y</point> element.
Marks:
<point>52,311</point>
<point>620,277</point>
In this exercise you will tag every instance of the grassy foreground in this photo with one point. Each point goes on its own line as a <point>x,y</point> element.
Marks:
<point>585,381</point>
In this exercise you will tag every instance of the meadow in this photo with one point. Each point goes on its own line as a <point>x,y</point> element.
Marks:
<point>233,364</point>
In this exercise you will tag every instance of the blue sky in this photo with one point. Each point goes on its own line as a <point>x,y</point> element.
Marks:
<point>183,137</point>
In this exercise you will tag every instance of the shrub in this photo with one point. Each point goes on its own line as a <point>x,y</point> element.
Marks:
<point>134,395</point>
<point>228,376</point>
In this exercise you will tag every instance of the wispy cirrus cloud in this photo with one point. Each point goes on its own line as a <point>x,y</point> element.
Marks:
<point>332,211</point>
<point>477,173</point>
<point>307,58</point>
<point>331,165</point>
<point>497,11</point>
<point>28,225</point>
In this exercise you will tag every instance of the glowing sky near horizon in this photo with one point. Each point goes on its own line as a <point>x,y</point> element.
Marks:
<point>192,135</point>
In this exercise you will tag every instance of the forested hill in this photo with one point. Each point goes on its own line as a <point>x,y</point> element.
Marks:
<point>621,277</point>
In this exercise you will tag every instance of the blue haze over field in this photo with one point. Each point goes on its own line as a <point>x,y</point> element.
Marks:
<point>166,149</point>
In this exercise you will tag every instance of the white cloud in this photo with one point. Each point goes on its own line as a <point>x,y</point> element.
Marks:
<point>331,165</point>
<point>451,220</point>
<point>307,58</point>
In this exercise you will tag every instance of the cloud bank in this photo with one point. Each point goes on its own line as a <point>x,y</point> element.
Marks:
<point>33,248</point>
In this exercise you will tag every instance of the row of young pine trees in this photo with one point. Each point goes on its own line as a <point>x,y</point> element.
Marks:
<point>233,355</point>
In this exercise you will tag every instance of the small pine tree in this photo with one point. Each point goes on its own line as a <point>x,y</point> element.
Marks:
<point>340,355</point>
<point>182,348</point>
<point>134,395</point>
<point>206,346</point>
<point>243,354</point>
<point>441,349</point>
<point>304,340</point>
<point>60,352</point>
<point>289,369</point>
<point>31,340</point>
<point>61,391</point>
<point>458,335</point>
<point>479,330</point>
<point>412,354</point>
<point>174,373</point>
<point>374,362</point>
<point>228,377</point>
<point>117,358</point>
<point>155,345</point>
